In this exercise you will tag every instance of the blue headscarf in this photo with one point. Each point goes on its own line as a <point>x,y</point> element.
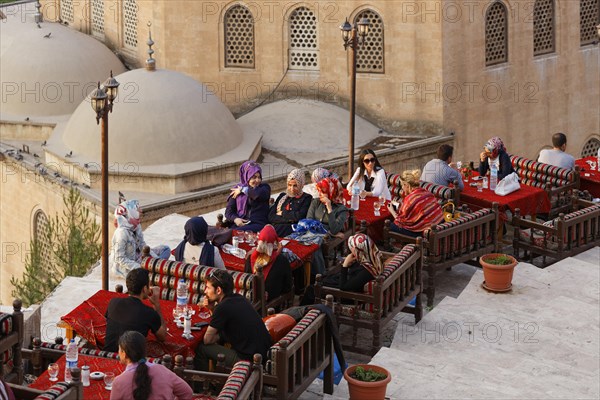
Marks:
<point>196,230</point>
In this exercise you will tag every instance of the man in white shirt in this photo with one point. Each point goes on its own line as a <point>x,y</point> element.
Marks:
<point>438,170</point>
<point>557,155</point>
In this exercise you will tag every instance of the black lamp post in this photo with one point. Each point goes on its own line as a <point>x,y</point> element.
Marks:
<point>102,102</point>
<point>353,37</point>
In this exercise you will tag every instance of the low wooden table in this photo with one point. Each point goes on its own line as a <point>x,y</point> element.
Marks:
<point>96,390</point>
<point>88,321</point>
<point>366,213</point>
<point>589,180</point>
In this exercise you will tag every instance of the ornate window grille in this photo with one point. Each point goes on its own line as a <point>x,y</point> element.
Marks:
<point>239,37</point>
<point>40,228</point>
<point>589,16</point>
<point>496,34</point>
<point>98,17</point>
<point>543,27</point>
<point>66,11</point>
<point>590,148</point>
<point>370,57</point>
<point>303,45</point>
<point>130,21</point>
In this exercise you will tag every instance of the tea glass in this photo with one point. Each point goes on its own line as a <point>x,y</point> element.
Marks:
<point>362,195</point>
<point>109,377</point>
<point>53,371</point>
<point>479,186</point>
<point>240,236</point>
<point>376,207</point>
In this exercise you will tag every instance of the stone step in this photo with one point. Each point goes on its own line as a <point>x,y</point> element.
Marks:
<point>591,256</point>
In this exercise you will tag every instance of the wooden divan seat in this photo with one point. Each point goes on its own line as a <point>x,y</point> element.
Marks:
<point>565,236</point>
<point>59,391</point>
<point>11,341</point>
<point>443,193</point>
<point>559,183</point>
<point>382,298</point>
<point>450,243</point>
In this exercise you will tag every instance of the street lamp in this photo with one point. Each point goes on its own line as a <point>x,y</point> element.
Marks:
<point>102,102</point>
<point>353,37</point>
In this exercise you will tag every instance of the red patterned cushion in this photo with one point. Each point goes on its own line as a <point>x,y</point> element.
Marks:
<point>6,324</point>
<point>237,377</point>
<point>55,391</point>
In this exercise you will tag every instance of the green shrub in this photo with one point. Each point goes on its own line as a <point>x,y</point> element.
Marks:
<point>368,375</point>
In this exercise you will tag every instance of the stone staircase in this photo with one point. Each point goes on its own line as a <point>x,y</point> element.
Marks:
<point>541,340</point>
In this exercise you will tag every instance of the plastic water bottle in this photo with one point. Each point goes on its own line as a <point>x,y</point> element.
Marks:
<point>71,356</point>
<point>598,160</point>
<point>182,296</point>
<point>493,176</point>
<point>355,200</point>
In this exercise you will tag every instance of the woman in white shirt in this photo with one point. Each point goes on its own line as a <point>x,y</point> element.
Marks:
<point>370,176</point>
<point>195,248</point>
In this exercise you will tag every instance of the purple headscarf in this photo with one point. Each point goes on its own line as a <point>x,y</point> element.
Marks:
<point>247,171</point>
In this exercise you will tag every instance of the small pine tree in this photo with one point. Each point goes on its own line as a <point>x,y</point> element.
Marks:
<point>74,246</point>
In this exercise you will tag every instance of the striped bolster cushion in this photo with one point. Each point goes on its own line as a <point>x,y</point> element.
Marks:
<point>444,244</point>
<point>55,391</point>
<point>235,382</point>
<point>521,163</point>
<point>440,191</point>
<point>391,265</point>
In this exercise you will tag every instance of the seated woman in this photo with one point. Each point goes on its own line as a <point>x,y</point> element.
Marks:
<point>419,209</point>
<point>291,206</point>
<point>276,268</point>
<point>143,380</point>
<point>361,266</point>
<point>370,176</point>
<point>195,248</point>
<point>248,204</point>
<point>128,240</point>
<point>317,175</point>
<point>494,152</point>
<point>329,209</point>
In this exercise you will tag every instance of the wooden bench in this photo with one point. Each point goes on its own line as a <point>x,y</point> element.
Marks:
<point>443,193</point>
<point>166,275</point>
<point>11,341</point>
<point>382,298</point>
<point>450,243</point>
<point>562,237</point>
<point>558,182</point>
<point>59,391</point>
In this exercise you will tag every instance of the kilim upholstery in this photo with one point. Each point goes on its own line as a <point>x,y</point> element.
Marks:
<point>565,236</point>
<point>382,298</point>
<point>443,193</point>
<point>450,243</point>
<point>166,274</point>
<point>296,360</point>
<point>558,182</point>
<point>11,341</point>
<point>244,381</point>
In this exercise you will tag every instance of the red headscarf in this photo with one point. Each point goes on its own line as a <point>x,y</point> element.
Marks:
<point>332,188</point>
<point>266,252</point>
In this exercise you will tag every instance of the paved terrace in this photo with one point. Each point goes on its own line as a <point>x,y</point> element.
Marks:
<point>541,340</point>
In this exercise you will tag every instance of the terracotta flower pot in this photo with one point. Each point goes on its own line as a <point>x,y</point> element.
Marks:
<point>498,278</point>
<point>360,390</point>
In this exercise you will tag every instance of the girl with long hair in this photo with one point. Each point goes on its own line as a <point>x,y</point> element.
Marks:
<point>370,176</point>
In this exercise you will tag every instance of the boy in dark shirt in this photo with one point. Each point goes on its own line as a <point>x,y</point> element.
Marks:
<point>234,320</point>
<point>130,314</point>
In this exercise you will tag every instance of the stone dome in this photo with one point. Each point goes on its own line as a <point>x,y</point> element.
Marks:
<point>159,117</point>
<point>48,70</point>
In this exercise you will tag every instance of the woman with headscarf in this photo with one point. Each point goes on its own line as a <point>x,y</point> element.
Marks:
<point>275,266</point>
<point>317,175</point>
<point>494,152</point>
<point>419,209</point>
<point>291,206</point>
<point>362,265</point>
<point>143,380</point>
<point>248,204</point>
<point>370,176</point>
<point>195,248</point>
<point>128,240</point>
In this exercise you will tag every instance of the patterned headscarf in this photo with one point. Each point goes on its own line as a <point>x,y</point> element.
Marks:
<point>247,171</point>
<point>366,253</point>
<point>332,188</point>
<point>319,174</point>
<point>127,214</point>
<point>494,146</point>
<point>298,176</point>
<point>266,251</point>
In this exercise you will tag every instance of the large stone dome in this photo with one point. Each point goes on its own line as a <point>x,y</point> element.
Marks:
<point>160,117</point>
<point>48,70</point>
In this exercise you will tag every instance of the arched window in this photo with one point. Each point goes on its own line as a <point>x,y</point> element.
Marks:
<point>239,37</point>
<point>590,148</point>
<point>40,235</point>
<point>303,47</point>
<point>130,21</point>
<point>496,34</point>
<point>589,17</point>
<point>543,27</point>
<point>370,57</point>
<point>97,20</point>
<point>66,11</point>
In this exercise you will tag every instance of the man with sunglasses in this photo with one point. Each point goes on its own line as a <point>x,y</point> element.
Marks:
<point>234,321</point>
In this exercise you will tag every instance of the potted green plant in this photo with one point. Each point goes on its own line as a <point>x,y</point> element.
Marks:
<point>497,271</point>
<point>367,381</point>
